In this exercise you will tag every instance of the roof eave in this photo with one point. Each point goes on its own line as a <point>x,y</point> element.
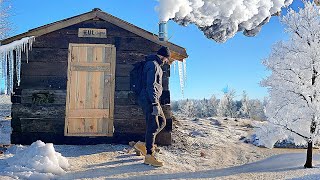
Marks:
<point>179,53</point>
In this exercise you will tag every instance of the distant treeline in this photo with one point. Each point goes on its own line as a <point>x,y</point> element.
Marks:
<point>224,107</point>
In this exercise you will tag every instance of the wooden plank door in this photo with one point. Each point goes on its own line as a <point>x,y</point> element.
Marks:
<point>90,90</point>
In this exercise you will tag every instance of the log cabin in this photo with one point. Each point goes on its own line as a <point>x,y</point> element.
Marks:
<point>75,87</point>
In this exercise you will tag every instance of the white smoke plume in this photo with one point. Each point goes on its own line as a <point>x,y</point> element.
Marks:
<point>221,19</point>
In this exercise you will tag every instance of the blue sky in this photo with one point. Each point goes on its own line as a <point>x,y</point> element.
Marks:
<point>210,67</point>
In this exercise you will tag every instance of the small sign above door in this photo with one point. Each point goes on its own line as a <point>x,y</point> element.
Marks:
<point>94,33</point>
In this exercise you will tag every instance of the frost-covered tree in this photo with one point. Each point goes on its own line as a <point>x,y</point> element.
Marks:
<point>257,110</point>
<point>174,106</point>
<point>4,21</point>
<point>187,108</point>
<point>227,106</point>
<point>244,111</point>
<point>201,108</point>
<point>293,109</point>
<point>252,108</point>
<point>213,105</point>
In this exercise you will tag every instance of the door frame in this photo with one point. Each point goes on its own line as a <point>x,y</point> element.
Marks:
<point>112,88</point>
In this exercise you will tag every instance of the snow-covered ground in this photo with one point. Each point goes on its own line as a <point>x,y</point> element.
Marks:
<point>5,131</point>
<point>38,161</point>
<point>5,120</point>
<point>211,148</point>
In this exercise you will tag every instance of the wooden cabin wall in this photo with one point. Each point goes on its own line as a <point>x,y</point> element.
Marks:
<point>38,110</point>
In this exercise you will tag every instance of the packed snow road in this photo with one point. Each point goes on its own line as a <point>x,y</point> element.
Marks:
<point>283,166</point>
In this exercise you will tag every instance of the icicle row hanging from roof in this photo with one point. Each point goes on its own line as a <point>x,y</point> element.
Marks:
<point>7,59</point>
<point>182,70</point>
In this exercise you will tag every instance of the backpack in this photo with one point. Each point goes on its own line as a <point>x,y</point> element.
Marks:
<point>136,78</point>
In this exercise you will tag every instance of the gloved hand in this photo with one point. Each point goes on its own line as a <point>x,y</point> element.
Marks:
<point>156,110</point>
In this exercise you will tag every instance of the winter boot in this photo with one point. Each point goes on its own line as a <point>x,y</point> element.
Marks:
<point>141,148</point>
<point>151,160</point>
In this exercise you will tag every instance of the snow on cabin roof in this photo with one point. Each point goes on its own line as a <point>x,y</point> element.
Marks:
<point>178,52</point>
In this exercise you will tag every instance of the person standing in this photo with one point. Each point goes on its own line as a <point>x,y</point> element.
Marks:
<point>149,100</point>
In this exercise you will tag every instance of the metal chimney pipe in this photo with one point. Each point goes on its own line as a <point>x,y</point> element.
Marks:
<point>163,35</point>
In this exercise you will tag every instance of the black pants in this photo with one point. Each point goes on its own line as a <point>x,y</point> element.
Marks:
<point>154,125</point>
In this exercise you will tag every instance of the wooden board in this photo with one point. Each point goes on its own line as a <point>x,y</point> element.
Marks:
<point>90,90</point>
<point>54,125</point>
<point>92,32</point>
<point>43,97</point>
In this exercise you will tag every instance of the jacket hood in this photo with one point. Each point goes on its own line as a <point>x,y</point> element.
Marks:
<point>154,57</point>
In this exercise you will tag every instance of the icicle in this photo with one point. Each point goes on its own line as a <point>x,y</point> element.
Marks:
<point>181,77</point>
<point>27,56</point>
<point>30,41</point>
<point>2,63</point>
<point>2,73</point>
<point>185,72</point>
<point>174,67</point>
<point>18,64</point>
<point>7,58</point>
<point>5,73</point>
<point>10,82</point>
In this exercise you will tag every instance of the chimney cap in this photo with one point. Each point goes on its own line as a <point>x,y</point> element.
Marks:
<point>96,9</point>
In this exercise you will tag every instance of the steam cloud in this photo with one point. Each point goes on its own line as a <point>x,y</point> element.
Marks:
<point>221,19</point>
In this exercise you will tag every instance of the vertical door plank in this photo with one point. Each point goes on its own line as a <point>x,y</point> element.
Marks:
<point>82,80</point>
<point>94,84</point>
<point>108,54</point>
<point>90,54</point>
<point>98,51</point>
<point>100,90</point>
<point>99,125</point>
<point>70,126</point>
<point>103,54</point>
<point>104,125</point>
<point>89,91</point>
<point>73,78</point>
<point>109,127</point>
<point>113,70</point>
<point>90,125</point>
<point>107,90</point>
<point>88,85</point>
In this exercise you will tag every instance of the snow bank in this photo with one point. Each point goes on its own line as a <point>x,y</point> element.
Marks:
<point>5,121</point>
<point>5,132</point>
<point>38,161</point>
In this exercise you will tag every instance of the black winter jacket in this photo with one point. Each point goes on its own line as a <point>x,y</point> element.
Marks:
<point>152,76</point>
